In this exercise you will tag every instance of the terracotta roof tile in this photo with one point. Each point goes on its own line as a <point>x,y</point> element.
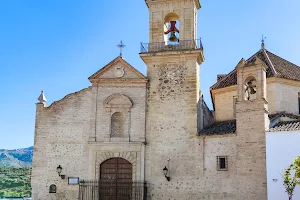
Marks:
<point>218,128</point>
<point>226,127</point>
<point>283,114</point>
<point>286,126</point>
<point>284,68</point>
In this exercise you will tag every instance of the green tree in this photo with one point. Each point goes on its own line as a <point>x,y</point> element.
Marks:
<point>15,182</point>
<point>291,177</point>
<point>297,168</point>
<point>289,181</point>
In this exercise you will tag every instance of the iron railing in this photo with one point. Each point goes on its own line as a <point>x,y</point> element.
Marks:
<point>171,46</point>
<point>111,190</point>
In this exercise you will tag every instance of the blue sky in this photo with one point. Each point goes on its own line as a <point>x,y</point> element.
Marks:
<point>55,45</point>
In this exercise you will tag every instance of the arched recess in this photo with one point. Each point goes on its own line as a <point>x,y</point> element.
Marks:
<point>169,19</point>
<point>117,124</point>
<point>118,107</point>
<point>118,101</point>
<point>249,88</point>
<point>129,156</point>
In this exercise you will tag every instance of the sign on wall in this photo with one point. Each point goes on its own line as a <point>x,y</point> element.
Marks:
<point>73,180</point>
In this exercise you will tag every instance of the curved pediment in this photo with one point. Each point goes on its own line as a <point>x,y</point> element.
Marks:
<point>117,100</point>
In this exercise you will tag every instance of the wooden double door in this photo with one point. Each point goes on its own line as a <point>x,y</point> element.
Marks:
<point>115,179</point>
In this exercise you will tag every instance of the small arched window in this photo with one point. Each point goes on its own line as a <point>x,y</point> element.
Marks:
<point>117,124</point>
<point>52,188</point>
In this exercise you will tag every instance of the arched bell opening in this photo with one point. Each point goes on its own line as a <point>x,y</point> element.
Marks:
<point>250,88</point>
<point>171,29</point>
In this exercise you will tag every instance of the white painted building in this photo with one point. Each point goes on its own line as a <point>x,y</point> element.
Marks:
<point>282,148</point>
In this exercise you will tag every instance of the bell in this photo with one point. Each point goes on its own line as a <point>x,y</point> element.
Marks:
<point>251,87</point>
<point>252,90</point>
<point>173,37</point>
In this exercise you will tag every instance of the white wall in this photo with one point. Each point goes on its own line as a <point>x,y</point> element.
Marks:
<point>282,148</point>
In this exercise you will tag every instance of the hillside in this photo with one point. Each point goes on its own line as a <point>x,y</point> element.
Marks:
<point>15,182</point>
<point>16,158</point>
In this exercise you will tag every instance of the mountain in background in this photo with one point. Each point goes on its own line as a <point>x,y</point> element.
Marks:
<point>16,157</point>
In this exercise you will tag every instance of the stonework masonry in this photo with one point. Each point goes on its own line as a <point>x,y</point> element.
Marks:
<point>154,121</point>
<point>252,122</point>
<point>75,133</point>
<point>186,11</point>
<point>173,91</point>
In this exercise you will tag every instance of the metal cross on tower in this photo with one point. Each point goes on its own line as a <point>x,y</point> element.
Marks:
<point>263,41</point>
<point>121,46</point>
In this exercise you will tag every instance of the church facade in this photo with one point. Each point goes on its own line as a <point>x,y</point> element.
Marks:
<point>130,136</point>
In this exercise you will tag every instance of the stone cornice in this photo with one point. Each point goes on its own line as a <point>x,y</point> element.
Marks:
<point>218,135</point>
<point>220,91</point>
<point>137,144</point>
<point>225,89</point>
<point>283,81</point>
<point>114,81</point>
<point>198,53</point>
<point>149,2</point>
<point>269,80</point>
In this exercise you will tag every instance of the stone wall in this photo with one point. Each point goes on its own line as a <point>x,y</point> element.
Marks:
<point>173,95</point>
<point>282,95</point>
<point>224,106</point>
<point>205,116</point>
<point>252,121</point>
<point>61,136</point>
<point>251,124</point>
<point>186,11</point>
<point>75,133</point>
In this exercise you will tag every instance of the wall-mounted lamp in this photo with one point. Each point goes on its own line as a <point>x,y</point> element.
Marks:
<point>59,169</point>
<point>166,171</point>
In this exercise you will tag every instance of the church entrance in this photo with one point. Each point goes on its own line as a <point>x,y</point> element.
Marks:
<point>115,183</point>
<point>115,179</point>
<point>117,170</point>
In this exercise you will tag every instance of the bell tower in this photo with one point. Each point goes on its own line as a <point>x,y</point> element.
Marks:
<point>163,13</point>
<point>173,57</point>
<point>252,122</point>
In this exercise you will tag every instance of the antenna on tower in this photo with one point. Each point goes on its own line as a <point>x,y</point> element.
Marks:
<point>263,41</point>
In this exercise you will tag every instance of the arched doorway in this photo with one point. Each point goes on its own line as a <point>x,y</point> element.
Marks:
<point>115,179</point>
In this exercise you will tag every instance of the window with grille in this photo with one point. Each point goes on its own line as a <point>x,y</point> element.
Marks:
<point>222,163</point>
